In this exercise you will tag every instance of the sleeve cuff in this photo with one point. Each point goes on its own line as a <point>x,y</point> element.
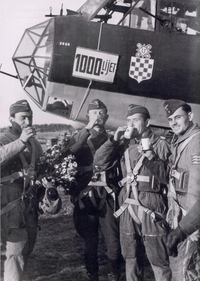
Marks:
<point>116,143</point>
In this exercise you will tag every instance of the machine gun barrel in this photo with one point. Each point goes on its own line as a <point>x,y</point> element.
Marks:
<point>168,24</point>
<point>148,13</point>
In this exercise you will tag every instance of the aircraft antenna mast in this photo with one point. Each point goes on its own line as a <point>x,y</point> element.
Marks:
<point>90,83</point>
<point>61,10</point>
<point>84,99</point>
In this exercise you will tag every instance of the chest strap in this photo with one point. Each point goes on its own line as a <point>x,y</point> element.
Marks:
<point>131,177</point>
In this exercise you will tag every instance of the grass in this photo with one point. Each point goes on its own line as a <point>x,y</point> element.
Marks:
<point>58,253</point>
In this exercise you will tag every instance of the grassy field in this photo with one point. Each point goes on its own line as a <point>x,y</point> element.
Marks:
<point>58,253</point>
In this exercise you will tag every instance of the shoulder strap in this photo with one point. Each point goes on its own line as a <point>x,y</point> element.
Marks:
<point>139,163</point>
<point>182,147</point>
<point>128,163</point>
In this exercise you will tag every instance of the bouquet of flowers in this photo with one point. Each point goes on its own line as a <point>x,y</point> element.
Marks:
<point>58,167</point>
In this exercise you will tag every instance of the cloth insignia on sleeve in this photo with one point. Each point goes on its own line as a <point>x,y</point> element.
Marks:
<point>196,159</point>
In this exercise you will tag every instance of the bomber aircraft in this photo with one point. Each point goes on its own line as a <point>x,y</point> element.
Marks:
<point>122,52</point>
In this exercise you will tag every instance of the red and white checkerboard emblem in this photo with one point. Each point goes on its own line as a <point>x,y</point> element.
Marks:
<point>141,68</point>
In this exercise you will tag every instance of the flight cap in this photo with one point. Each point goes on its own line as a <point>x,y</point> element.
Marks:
<point>172,105</point>
<point>96,104</point>
<point>20,106</point>
<point>51,202</point>
<point>134,108</point>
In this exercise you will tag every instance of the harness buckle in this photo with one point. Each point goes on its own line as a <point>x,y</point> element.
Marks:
<point>131,177</point>
<point>174,173</point>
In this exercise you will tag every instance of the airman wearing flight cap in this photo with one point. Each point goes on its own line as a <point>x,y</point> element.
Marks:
<point>94,207</point>
<point>19,153</point>
<point>142,201</point>
<point>184,190</point>
<point>20,106</point>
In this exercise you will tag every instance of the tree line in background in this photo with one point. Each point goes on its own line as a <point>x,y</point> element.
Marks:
<point>49,128</point>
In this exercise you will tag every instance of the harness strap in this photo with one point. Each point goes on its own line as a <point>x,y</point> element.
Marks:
<point>175,174</point>
<point>127,204</point>
<point>175,207</point>
<point>14,176</point>
<point>138,165</point>
<point>10,206</point>
<point>84,169</point>
<point>88,190</point>
<point>133,215</point>
<point>82,193</point>
<point>182,146</point>
<point>104,184</point>
<point>131,181</point>
<point>138,178</point>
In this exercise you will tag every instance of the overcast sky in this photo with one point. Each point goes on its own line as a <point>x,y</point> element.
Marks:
<point>16,16</point>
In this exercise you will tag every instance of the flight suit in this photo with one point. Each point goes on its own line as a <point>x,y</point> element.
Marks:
<point>152,177</point>
<point>94,207</point>
<point>186,181</point>
<point>19,223</point>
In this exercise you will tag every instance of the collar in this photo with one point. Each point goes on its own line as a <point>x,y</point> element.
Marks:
<point>16,129</point>
<point>147,134</point>
<point>95,133</point>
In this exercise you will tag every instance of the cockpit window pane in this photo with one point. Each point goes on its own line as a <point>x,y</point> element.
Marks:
<point>139,19</point>
<point>182,14</point>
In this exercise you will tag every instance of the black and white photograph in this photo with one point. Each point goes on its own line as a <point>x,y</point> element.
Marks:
<point>100,140</point>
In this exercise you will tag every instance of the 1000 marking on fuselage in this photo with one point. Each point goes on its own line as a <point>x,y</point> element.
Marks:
<point>94,65</point>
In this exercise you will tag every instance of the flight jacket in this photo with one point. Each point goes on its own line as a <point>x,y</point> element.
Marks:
<point>10,148</point>
<point>111,153</point>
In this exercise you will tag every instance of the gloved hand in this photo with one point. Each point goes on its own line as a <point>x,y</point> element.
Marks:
<point>173,239</point>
